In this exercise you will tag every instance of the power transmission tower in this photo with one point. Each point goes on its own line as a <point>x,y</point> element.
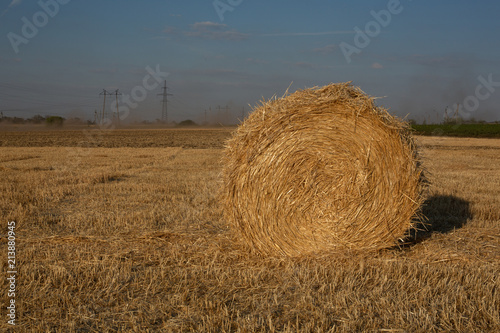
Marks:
<point>164,114</point>
<point>225,114</point>
<point>117,111</point>
<point>104,93</point>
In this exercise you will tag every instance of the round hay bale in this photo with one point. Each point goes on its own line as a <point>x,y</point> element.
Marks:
<point>321,169</point>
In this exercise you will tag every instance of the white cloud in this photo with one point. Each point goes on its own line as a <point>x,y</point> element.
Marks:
<point>376,65</point>
<point>205,30</point>
<point>169,30</point>
<point>13,3</point>
<point>321,33</point>
<point>217,35</point>
<point>214,31</point>
<point>207,25</point>
<point>328,49</point>
<point>256,61</point>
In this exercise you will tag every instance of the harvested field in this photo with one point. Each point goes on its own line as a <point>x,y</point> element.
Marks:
<point>121,238</point>
<point>95,137</point>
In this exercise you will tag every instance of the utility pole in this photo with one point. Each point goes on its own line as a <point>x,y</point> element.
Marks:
<point>95,116</point>
<point>117,111</point>
<point>104,92</point>
<point>164,114</point>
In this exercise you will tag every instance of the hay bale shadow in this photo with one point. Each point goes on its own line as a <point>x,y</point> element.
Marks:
<point>444,213</point>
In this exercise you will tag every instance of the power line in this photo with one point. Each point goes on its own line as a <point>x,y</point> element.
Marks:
<point>117,111</point>
<point>104,93</point>
<point>225,114</point>
<point>164,114</point>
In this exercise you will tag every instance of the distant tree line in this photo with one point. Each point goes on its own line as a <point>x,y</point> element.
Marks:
<point>452,121</point>
<point>38,119</point>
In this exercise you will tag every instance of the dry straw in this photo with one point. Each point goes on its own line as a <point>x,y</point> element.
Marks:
<point>319,170</point>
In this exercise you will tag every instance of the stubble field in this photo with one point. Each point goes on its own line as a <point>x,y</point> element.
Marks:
<point>122,231</point>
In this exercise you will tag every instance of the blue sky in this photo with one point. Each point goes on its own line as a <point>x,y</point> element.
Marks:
<point>420,56</point>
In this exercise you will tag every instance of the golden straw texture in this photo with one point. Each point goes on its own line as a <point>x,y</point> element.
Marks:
<point>319,170</point>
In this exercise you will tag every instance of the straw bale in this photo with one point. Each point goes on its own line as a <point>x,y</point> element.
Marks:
<point>322,169</point>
